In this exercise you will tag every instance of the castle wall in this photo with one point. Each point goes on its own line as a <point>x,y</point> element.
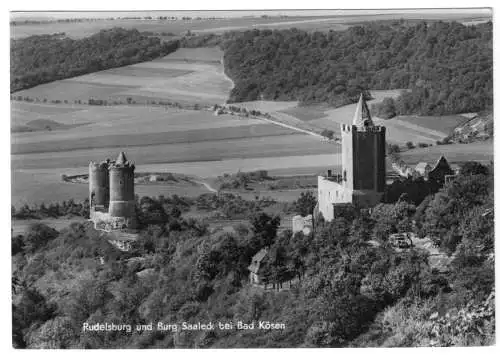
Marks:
<point>329,194</point>
<point>99,184</point>
<point>105,221</point>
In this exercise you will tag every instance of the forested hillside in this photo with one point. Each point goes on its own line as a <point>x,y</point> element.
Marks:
<point>447,66</point>
<point>347,292</point>
<point>40,59</point>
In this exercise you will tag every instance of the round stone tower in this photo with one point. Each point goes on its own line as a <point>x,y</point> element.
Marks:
<point>99,184</point>
<point>121,181</point>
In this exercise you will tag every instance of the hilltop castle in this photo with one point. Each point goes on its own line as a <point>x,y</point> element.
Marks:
<point>362,181</point>
<point>111,194</point>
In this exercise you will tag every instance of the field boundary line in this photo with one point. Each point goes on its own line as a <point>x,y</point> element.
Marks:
<point>227,78</point>
<point>292,127</point>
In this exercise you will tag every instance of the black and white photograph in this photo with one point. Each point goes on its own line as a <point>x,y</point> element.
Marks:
<point>251,179</point>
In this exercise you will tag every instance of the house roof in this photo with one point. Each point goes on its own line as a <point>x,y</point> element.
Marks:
<point>257,259</point>
<point>362,115</point>
<point>441,161</point>
<point>421,167</point>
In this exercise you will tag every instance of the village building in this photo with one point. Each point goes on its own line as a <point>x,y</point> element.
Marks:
<point>440,173</point>
<point>256,276</point>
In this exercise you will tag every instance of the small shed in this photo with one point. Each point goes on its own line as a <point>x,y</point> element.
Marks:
<point>255,267</point>
<point>302,224</point>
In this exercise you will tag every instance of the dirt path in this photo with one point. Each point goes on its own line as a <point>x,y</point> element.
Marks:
<point>321,137</point>
<point>227,78</point>
<point>206,185</point>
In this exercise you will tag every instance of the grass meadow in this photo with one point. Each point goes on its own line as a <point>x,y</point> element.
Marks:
<point>179,27</point>
<point>427,129</point>
<point>454,153</point>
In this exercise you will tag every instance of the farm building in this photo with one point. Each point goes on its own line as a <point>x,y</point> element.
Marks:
<point>437,173</point>
<point>255,268</point>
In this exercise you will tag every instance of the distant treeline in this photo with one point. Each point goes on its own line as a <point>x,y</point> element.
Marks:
<point>447,66</point>
<point>41,59</point>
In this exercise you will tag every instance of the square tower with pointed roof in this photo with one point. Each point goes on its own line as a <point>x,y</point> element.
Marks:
<point>362,180</point>
<point>363,151</point>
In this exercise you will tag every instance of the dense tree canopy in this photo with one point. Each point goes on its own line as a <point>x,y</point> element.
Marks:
<point>446,66</point>
<point>343,289</point>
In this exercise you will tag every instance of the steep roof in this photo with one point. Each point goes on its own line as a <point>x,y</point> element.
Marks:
<point>441,162</point>
<point>256,260</point>
<point>362,115</point>
<point>121,159</point>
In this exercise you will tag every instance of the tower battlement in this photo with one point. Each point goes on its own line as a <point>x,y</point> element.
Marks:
<point>102,165</point>
<point>122,163</point>
<point>346,128</point>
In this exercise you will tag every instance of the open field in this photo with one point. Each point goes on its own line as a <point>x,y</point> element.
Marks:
<point>156,138</point>
<point>258,147</point>
<point>45,184</point>
<point>454,153</point>
<point>185,76</point>
<point>179,27</point>
<point>266,106</point>
<point>150,139</point>
<point>444,124</point>
<point>107,120</point>
<point>399,130</point>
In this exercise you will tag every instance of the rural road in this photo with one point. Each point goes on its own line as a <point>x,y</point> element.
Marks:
<point>206,185</point>
<point>293,128</point>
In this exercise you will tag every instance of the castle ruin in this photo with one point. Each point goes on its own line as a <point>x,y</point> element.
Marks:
<point>111,194</point>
